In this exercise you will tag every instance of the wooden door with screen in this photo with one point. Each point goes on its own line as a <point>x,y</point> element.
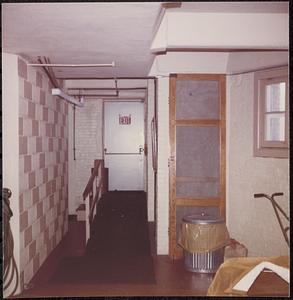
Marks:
<point>197,139</point>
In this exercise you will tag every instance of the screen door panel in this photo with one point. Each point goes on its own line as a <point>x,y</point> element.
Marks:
<point>197,99</point>
<point>197,161</point>
<point>197,140</point>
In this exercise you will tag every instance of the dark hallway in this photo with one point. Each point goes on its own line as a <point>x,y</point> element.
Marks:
<point>118,259</point>
<point>119,248</point>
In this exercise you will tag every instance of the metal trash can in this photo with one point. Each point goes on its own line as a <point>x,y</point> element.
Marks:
<point>203,238</point>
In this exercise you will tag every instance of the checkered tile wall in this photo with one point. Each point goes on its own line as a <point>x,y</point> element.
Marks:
<point>43,172</point>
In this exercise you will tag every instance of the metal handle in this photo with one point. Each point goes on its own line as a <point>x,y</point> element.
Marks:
<point>277,209</point>
<point>140,150</point>
<point>259,195</point>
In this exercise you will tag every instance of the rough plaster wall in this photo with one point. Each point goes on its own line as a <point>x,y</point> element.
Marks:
<point>163,170</point>
<point>88,144</point>
<point>43,158</point>
<point>10,147</point>
<point>252,221</point>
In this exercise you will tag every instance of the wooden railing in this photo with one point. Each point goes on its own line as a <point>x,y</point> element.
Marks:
<point>97,186</point>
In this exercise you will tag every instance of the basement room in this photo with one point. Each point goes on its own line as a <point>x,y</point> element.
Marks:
<point>145,149</point>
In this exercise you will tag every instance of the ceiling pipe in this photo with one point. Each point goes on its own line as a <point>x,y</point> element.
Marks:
<point>105,78</point>
<point>95,95</point>
<point>73,65</point>
<point>51,77</point>
<point>72,100</point>
<point>106,89</point>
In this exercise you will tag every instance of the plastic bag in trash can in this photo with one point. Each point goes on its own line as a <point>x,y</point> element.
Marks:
<point>203,237</point>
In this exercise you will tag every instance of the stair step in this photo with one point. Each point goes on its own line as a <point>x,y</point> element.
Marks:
<point>80,212</point>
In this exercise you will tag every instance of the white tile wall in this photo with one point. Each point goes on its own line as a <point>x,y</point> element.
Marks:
<point>88,136</point>
<point>27,199</point>
<point>36,229</point>
<point>42,191</point>
<point>39,242</point>
<point>35,162</point>
<point>28,274</point>
<point>31,144</point>
<point>43,253</point>
<point>39,109</point>
<point>31,75</point>
<point>32,214</point>
<point>24,257</point>
<point>36,95</point>
<point>21,86</point>
<point>21,165</point>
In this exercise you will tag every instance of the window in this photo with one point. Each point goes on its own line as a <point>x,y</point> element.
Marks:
<point>271,114</point>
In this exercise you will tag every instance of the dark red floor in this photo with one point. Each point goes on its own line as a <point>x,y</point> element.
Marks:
<point>171,277</point>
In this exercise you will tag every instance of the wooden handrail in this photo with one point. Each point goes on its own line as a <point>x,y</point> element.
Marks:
<point>95,201</point>
<point>97,185</point>
<point>94,174</point>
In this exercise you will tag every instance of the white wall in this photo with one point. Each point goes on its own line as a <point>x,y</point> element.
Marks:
<point>88,144</point>
<point>252,221</point>
<point>150,171</point>
<point>10,148</point>
<point>162,222</point>
<point>189,62</point>
<point>189,29</point>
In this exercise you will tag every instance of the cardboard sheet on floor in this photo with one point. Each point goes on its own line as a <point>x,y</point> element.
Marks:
<point>234,269</point>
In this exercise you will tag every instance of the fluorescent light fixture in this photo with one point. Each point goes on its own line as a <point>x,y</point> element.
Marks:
<point>72,100</point>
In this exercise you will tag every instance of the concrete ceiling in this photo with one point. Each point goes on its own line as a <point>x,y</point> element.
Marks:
<point>235,6</point>
<point>74,33</point>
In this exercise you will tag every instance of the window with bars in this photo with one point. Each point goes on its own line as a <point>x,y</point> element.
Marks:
<point>271,114</point>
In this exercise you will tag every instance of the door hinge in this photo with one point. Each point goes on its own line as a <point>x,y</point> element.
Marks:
<point>171,158</point>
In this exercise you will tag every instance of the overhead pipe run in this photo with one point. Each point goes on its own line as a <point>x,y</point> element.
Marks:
<point>49,73</point>
<point>72,100</point>
<point>73,65</point>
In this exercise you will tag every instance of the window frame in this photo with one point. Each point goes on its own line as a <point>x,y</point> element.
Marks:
<point>262,147</point>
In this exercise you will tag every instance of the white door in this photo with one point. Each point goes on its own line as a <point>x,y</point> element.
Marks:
<point>123,145</point>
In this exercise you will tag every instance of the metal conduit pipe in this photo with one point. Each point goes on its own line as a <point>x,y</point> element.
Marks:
<point>107,89</point>
<point>72,65</point>
<point>74,108</point>
<point>106,78</point>
<point>51,78</point>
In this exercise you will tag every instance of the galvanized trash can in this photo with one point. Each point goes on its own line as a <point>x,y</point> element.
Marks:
<point>203,238</point>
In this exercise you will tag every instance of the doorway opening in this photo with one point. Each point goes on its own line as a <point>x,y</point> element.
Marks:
<point>124,145</point>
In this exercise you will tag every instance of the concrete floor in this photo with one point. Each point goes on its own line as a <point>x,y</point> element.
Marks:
<point>171,277</point>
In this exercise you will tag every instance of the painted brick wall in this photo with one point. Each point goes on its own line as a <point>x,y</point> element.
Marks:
<point>150,171</point>
<point>88,144</point>
<point>163,170</point>
<point>43,165</point>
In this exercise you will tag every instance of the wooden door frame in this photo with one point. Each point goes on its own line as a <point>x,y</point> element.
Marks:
<point>174,250</point>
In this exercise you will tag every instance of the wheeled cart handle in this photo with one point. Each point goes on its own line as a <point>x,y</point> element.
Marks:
<point>277,209</point>
<point>277,194</point>
<point>259,195</point>
<point>265,195</point>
